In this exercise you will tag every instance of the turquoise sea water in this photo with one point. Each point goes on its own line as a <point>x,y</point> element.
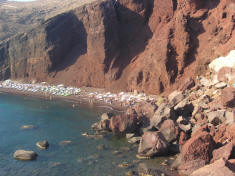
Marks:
<point>57,121</point>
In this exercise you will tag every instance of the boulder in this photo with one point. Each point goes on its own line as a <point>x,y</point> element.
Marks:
<point>122,124</point>
<point>199,146</point>
<point>186,168</point>
<point>145,109</point>
<point>230,117</point>
<point>163,112</point>
<point>228,97</point>
<point>153,144</point>
<point>175,97</point>
<point>183,137</point>
<point>206,82</point>
<point>25,155</point>
<point>220,167</point>
<point>130,135</point>
<point>230,132</point>
<point>220,85</point>
<point>226,74</point>
<point>42,144</point>
<point>134,140</point>
<point>184,124</point>
<point>216,117</point>
<point>188,84</point>
<point>222,152</point>
<point>170,130</point>
<point>219,136</point>
<point>103,124</point>
<point>106,116</point>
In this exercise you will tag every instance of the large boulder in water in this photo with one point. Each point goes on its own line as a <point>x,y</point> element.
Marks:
<point>122,124</point>
<point>25,155</point>
<point>103,124</point>
<point>153,143</point>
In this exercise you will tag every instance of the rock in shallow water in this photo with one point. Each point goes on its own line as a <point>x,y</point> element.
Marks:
<point>122,124</point>
<point>25,155</point>
<point>42,144</point>
<point>27,127</point>
<point>66,142</point>
<point>153,144</point>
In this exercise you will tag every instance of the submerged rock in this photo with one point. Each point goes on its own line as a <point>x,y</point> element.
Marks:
<point>25,155</point>
<point>124,165</point>
<point>146,170</point>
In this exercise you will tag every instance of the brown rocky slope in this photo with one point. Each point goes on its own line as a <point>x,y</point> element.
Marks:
<point>148,45</point>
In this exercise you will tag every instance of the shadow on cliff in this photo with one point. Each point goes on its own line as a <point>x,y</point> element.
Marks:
<point>67,41</point>
<point>195,28</point>
<point>133,35</point>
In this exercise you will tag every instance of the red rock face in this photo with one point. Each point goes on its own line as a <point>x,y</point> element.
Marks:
<point>150,46</point>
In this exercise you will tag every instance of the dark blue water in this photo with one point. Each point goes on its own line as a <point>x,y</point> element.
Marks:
<point>57,121</point>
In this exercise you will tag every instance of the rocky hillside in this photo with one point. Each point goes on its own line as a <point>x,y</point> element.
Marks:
<point>144,45</point>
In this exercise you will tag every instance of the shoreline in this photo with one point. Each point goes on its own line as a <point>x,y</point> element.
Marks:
<point>92,97</point>
<point>71,99</point>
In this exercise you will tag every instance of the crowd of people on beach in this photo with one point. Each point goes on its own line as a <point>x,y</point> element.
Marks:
<point>125,98</point>
<point>43,87</point>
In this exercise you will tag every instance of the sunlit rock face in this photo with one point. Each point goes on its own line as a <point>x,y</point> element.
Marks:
<point>150,46</point>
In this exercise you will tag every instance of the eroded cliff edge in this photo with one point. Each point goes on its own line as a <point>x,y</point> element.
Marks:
<point>148,45</point>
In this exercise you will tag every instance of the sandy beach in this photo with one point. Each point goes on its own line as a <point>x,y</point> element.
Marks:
<point>94,97</point>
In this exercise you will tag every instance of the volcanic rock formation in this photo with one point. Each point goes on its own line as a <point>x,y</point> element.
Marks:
<point>144,45</point>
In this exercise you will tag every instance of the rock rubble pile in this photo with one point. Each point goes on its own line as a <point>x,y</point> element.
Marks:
<point>197,123</point>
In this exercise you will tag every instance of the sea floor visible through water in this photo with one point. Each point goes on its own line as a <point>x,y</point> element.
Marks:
<point>57,121</point>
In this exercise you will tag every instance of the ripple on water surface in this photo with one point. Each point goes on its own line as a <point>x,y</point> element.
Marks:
<point>57,121</point>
